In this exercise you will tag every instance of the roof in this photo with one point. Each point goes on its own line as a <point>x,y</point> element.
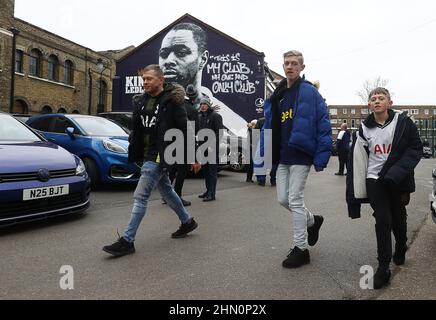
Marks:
<point>168,28</point>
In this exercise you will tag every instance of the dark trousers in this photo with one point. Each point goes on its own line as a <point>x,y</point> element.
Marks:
<point>178,172</point>
<point>390,214</point>
<point>250,170</point>
<point>343,158</point>
<point>211,178</point>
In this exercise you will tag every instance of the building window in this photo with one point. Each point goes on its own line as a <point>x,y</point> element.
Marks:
<point>426,112</point>
<point>364,111</point>
<point>35,63</point>
<point>353,111</point>
<point>333,112</point>
<point>434,112</point>
<point>68,73</point>
<point>414,111</point>
<point>19,61</point>
<point>62,110</point>
<point>353,123</point>
<point>46,110</point>
<point>344,111</point>
<point>53,68</point>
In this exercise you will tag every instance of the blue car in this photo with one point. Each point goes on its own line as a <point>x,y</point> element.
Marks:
<point>38,179</point>
<point>99,142</point>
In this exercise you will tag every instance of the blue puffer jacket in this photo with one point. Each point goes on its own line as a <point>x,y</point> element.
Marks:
<point>311,128</point>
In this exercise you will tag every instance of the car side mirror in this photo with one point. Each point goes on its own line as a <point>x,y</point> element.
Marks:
<point>70,132</point>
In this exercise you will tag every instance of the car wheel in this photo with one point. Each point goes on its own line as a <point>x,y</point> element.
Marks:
<point>239,167</point>
<point>93,173</point>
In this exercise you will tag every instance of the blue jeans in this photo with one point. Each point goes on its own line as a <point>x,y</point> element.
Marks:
<point>291,181</point>
<point>152,176</point>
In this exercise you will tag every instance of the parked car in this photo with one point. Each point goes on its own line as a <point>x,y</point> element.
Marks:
<point>426,152</point>
<point>238,151</point>
<point>124,119</point>
<point>433,197</point>
<point>38,179</point>
<point>99,142</point>
<point>22,117</point>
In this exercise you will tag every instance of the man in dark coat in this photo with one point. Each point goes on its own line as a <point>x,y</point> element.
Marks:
<point>157,110</point>
<point>211,120</point>
<point>343,146</point>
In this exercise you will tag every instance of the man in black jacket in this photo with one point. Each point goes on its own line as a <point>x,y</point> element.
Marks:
<point>157,110</point>
<point>178,172</point>
<point>380,171</point>
<point>211,120</point>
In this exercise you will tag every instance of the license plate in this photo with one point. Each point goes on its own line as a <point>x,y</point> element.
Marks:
<point>46,192</point>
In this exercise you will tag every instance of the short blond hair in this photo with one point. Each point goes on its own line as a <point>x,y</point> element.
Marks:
<point>294,53</point>
<point>379,90</point>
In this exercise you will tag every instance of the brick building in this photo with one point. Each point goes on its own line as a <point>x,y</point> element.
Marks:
<point>424,117</point>
<point>52,74</point>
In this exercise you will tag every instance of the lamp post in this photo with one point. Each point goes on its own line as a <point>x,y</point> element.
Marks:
<point>15,33</point>
<point>101,66</point>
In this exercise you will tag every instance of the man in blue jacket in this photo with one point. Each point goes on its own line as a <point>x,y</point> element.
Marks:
<point>301,137</point>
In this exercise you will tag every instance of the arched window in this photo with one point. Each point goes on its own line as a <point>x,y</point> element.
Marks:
<point>19,61</point>
<point>62,110</point>
<point>20,106</point>
<point>53,68</point>
<point>46,110</point>
<point>69,73</point>
<point>35,63</point>
<point>75,112</point>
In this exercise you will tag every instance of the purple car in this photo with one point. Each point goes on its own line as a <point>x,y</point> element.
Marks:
<point>38,179</point>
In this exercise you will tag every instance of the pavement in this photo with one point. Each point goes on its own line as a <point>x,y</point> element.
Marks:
<point>235,254</point>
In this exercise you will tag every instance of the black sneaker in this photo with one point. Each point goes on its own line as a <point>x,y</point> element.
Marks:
<point>202,196</point>
<point>273,183</point>
<point>209,199</point>
<point>296,258</point>
<point>313,231</point>
<point>399,256</point>
<point>185,202</point>
<point>120,248</point>
<point>381,278</point>
<point>184,229</point>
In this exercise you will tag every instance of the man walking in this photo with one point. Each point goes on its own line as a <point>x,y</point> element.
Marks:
<point>301,137</point>
<point>158,109</point>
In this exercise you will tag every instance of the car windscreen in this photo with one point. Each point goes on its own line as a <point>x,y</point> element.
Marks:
<point>13,130</point>
<point>96,126</point>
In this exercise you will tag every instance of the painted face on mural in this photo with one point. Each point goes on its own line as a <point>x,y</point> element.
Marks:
<point>179,58</point>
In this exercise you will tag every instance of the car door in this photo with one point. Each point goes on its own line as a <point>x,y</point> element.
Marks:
<point>58,134</point>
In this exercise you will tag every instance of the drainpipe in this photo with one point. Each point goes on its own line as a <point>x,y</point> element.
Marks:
<point>15,33</point>
<point>89,91</point>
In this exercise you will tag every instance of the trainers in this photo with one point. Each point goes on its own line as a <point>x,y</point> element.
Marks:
<point>399,256</point>
<point>313,231</point>
<point>209,199</point>
<point>381,278</point>
<point>202,196</point>
<point>273,183</point>
<point>185,202</point>
<point>296,258</point>
<point>184,229</point>
<point>120,248</point>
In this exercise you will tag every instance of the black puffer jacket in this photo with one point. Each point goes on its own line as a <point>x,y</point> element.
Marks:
<point>398,169</point>
<point>171,115</point>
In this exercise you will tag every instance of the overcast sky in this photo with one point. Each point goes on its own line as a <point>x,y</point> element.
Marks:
<point>345,42</point>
